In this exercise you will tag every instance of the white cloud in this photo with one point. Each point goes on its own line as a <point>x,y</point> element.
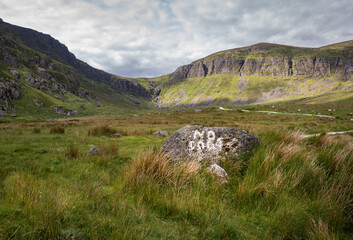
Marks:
<point>154,37</point>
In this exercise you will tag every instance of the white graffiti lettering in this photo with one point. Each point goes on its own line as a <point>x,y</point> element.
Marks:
<point>210,144</point>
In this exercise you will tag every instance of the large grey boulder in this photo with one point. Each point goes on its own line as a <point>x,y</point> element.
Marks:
<point>208,143</point>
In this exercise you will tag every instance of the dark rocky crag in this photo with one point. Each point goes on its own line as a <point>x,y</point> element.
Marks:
<point>55,50</point>
<point>9,91</point>
<point>274,60</point>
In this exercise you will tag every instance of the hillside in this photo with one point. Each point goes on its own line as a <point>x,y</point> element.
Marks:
<point>259,73</point>
<point>40,77</point>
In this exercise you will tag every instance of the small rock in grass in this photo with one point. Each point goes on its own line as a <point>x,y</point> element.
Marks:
<point>94,151</point>
<point>3,114</point>
<point>219,172</point>
<point>161,134</point>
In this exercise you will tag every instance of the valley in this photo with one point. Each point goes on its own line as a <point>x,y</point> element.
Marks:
<point>80,157</point>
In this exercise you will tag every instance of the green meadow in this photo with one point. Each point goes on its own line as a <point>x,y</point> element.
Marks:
<point>289,187</point>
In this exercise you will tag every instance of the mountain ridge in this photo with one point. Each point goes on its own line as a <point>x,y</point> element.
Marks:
<point>34,63</point>
<point>265,71</point>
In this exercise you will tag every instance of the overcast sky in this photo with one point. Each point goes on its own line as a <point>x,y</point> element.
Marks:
<point>147,38</point>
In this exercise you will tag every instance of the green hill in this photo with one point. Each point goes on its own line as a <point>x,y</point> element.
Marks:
<point>39,77</point>
<point>259,73</point>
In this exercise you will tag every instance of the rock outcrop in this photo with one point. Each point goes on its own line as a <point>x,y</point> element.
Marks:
<point>208,143</point>
<point>9,91</point>
<point>272,60</point>
<point>61,110</point>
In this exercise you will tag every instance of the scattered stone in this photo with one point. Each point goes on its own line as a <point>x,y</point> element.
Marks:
<point>208,143</point>
<point>37,103</point>
<point>136,115</point>
<point>3,114</point>
<point>94,151</point>
<point>219,172</point>
<point>13,115</point>
<point>61,110</point>
<point>15,73</point>
<point>197,110</point>
<point>161,133</point>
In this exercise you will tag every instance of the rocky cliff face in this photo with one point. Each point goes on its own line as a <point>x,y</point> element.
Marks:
<point>9,91</point>
<point>273,60</point>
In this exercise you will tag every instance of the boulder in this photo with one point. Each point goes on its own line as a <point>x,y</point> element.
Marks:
<point>161,133</point>
<point>208,143</point>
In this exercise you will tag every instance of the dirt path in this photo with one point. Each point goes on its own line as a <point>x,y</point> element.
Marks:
<point>329,133</point>
<point>298,114</point>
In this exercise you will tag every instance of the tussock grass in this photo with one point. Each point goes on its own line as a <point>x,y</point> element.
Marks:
<point>109,152</point>
<point>36,130</point>
<point>72,151</point>
<point>101,130</point>
<point>57,129</point>
<point>154,165</point>
<point>289,187</point>
<point>288,182</point>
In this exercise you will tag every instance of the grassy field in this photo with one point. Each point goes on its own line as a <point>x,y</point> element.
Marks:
<point>289,187</point>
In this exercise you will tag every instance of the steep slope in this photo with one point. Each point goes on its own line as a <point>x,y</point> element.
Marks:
<point>259,73</point>
<point>38,76</point>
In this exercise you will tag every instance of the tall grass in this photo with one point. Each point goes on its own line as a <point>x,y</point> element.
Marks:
<point>72,151</point>
<point>290,187</point>
<point>57,129</point>
<point>101,130</point>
